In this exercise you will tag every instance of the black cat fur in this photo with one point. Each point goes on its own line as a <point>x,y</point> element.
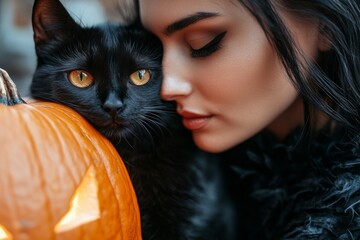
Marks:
<point>183,193</point>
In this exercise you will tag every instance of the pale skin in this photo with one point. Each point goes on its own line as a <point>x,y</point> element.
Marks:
<point>227,93</point>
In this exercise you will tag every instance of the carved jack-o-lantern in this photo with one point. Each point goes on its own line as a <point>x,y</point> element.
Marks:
<point>60,179</point>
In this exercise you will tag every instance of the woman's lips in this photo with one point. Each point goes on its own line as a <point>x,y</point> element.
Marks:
<point>193,121</point>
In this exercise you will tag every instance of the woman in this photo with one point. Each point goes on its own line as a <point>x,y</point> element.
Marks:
<point>275,83</point>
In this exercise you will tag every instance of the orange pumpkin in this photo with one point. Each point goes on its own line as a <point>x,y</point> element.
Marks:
<point>60,178</point>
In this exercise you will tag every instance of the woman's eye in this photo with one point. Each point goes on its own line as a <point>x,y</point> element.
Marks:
<point>140,77</point>
<point>81,78</point>
<point>209,48</point>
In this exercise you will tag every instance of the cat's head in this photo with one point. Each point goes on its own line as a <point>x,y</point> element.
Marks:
<point>110,74</point>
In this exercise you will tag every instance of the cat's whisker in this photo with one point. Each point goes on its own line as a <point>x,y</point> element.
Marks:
<point>142,124</point>
<point>156,112</point>
<point>156,123</point>
<point>127,141</point>
<point>152,124</point>
<point>130,131</point>
<point>160,109</point>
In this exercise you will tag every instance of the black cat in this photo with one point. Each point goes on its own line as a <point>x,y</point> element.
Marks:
<point>111,75</point>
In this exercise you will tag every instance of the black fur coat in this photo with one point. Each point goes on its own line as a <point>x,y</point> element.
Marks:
<point>294,192</point>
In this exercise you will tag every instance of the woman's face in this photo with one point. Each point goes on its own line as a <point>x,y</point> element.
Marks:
<point>221,70</point>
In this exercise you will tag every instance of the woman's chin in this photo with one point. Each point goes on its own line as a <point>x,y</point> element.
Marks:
<point>211,144</point>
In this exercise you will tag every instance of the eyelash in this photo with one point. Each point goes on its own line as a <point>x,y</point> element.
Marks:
<point>209,48</point>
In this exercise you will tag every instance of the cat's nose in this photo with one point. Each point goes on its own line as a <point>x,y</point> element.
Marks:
<point>113,109</point>
<point>113,105</point>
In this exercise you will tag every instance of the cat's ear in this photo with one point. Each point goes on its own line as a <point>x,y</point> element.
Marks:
<point>51,20</point>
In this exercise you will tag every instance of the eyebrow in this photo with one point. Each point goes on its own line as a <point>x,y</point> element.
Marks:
<point>184,22</point>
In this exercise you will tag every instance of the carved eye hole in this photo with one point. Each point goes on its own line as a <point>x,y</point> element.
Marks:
<point>84,206</point>
<point>4,234</point>
<point>140,77</point>
<point>81,78</point>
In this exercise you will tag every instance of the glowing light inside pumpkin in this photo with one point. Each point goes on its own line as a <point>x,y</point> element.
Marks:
<point>84,207</point>
<point>4,234</point>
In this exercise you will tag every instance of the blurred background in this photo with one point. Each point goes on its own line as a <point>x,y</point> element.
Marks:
<point>17,51</point>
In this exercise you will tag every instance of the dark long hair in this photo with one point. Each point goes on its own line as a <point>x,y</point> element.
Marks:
<point>332,84</point>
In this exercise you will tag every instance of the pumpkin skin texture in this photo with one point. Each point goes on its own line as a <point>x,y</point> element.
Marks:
<point>47,151</point>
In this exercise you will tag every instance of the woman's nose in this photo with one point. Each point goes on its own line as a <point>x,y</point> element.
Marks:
<point>175,84</point>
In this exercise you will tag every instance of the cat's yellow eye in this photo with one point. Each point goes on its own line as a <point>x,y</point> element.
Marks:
<point>81,78</point>
<point>140,77</point>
